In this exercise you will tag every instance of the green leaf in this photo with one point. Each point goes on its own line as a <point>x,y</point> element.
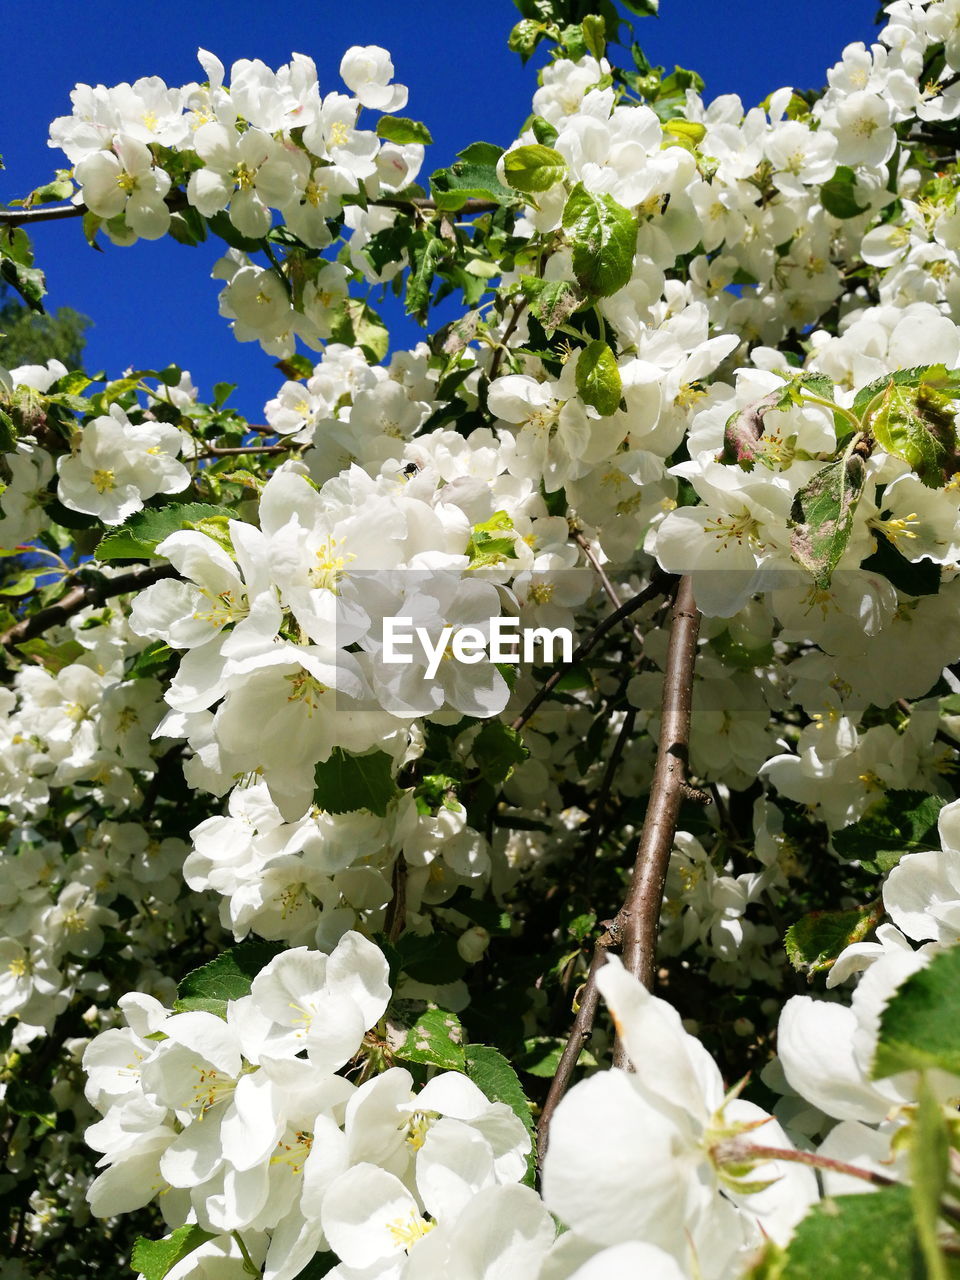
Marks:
<point>551,301</point>
<point>139,536</point>
<point>61,188</point>
<point>856,1237</point>
<point>52,657</point>
<point>598,378</point>
<point>228,977</point>
<point>815,941</point>
<point>436,1039</point>
<point>821,519</point>
<point>604,238</point>
<point>473,176</point>
<point>688,133</point>
<point>525,37</point>
<point>929,1160</point>
<point>541,1055</point>
<point>498,749</point>
<point>534,168</point>
<point>492,542</point>
<point>432,958</point>
<point>594,34</point>
<point>32,1101</point>
<point>345,782</point>
<point>489,915</point>
<point>358,325</point>
<point>402,130</point>
<point>917,425</point>
<point>902,822</point>
<point>28,281</point>
<point>22,585</point>
<point>920,1027</point>
<point>837,195</point>
<point>644,8</point>
<point>427,253</point>
<point>221,225</point>
<point>543,131</point>
<point>496,1079</point>
<point>154,1258</point>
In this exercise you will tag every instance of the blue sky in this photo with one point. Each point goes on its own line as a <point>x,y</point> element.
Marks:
<point>154,304</point>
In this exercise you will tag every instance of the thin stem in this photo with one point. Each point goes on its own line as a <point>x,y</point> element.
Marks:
<point>605,582</point>
<point>639,917</point>
<point>658,587</point>
<point>249,1265</point>
<point>235,450</point>
<point>809,398</point>
<point>579,1035</point>
<point>79,597</point>
<point>507,335</point>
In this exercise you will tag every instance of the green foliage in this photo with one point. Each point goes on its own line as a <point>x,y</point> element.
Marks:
<point>31,338</point>
<point>838,195</point>
<point>435,1039</point>
<point>604,238</point>
<point>345,782</point>
<point>401,130</point>
<point>534,168</point>
<point>140,535</point>
<point>821,519</point>
<point>496,1079</point>
<point>920,1027</point>
<point>472,177</point>
<point>929,1162</point>
<point>598,378</point>
<point>228,977</point>
<point>154,1258</point>
<point>917,425</point>
<point>815,941</point>
<point>855,1237</point>
<point>498,749</point>
<point>901,822</point>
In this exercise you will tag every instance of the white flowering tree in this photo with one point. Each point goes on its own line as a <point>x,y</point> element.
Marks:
<point>639,960</point>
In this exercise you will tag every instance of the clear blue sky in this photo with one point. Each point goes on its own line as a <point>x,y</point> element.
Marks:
<point>154,304</point>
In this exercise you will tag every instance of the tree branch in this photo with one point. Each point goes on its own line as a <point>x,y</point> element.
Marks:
<point>56,213</point>
<point>79,597</point>
<point>579,1035</point>
<point>609,588</point>
<point>639,917</point>
<point>235,450</point>
<point>507,335</point>
<point>659,586</point>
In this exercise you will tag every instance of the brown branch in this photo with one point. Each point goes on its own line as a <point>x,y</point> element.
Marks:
<point>639,917</point>
<point>507,335</point>
<point>579,1035</point>
<point>656,844</point>
<point>605,582</point>
<point>659,586</point>
<point>235,450</point>
<point>396,916</point>
<point>78,598</point>
<point>177,200</point>
<point>736,1152</point>
<point>14,217</point>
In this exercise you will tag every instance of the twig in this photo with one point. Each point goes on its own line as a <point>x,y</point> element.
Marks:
<point>79,597</point>
<point>234,450</point>
<point>396,916</point>
<point>609,588</point>
<point>56,213</point>
<point>639,917</point>
<point>659,586</point>
<point>507,335</point>
<point>579,1035</point>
